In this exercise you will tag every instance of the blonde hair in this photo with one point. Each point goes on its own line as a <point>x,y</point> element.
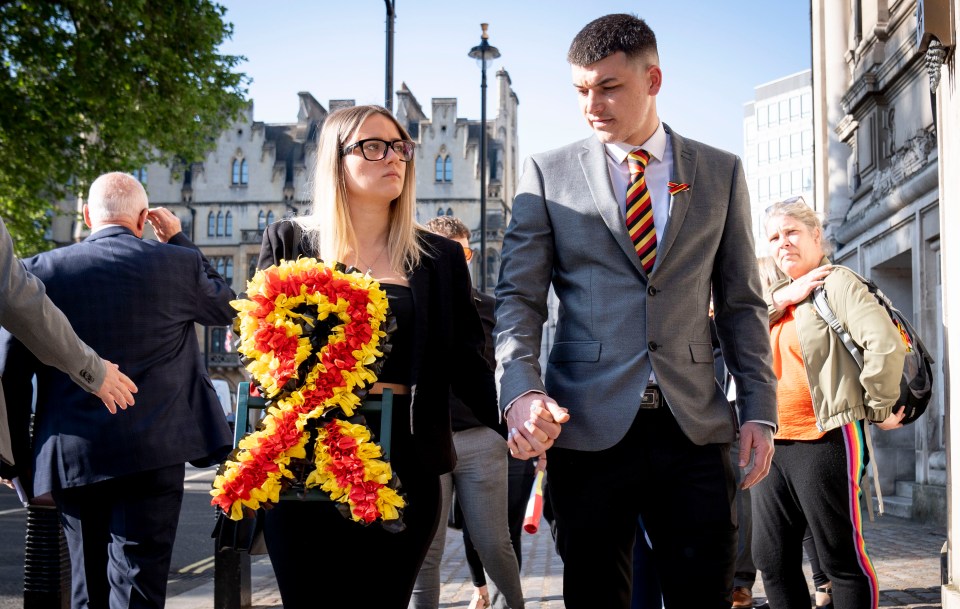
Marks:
<point>116,196</point>
<point>327,227</point>
<point>797,208</point>
<point>770,273</point>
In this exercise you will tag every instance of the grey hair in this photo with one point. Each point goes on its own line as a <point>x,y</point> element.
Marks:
<point>115,196</point>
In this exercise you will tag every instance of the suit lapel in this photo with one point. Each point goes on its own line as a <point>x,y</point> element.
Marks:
<point>420,290</point>
<point>684,172</point>
<point>593,160</point>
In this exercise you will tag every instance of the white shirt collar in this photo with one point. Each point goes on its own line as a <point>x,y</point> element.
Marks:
<point>656,145</point>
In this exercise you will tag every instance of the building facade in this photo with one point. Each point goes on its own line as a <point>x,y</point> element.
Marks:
<point>448,166</point>
<point>778,146</point>
<point>258,173</point>
<point>875,181</point>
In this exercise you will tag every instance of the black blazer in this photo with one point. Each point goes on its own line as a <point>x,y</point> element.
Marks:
<point>135,302</point>
<point>448,339</point>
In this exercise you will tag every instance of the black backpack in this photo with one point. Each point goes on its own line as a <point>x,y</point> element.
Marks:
<point>916,384</point>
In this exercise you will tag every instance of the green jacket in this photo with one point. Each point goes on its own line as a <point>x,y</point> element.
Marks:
<point>842,393</point>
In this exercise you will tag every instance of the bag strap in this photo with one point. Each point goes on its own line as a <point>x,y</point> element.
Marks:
<point>823,308</point>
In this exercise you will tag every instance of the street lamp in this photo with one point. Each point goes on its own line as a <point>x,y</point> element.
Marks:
<point>391,17</point>
<point>483,53</point>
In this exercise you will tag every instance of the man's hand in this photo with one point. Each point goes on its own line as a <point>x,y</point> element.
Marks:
<point>117,388</point>
<point>534,421</point>
<point>757,438</point>
<point>164,222</point>
<point>894,421</point>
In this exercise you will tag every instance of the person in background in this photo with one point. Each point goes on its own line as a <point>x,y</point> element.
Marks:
<point>634,228</point>
<point>823,399</point>
<point>28,315</point>
<point>479,480</point>
<point>363,216</point>
<point>118,480</point>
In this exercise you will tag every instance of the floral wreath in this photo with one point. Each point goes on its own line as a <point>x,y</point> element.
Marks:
<point>312,336</point>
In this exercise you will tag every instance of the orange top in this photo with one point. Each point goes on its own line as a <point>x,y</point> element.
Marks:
<point>794,403</point>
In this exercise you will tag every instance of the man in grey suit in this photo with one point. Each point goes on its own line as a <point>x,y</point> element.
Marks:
<point>27,313</point>
<point>630,379</point>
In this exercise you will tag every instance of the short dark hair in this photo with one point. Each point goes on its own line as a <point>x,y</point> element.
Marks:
<point>449,227</point>
<point>611,33</point>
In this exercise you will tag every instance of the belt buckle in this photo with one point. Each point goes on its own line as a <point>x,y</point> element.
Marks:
<point>650,399</point>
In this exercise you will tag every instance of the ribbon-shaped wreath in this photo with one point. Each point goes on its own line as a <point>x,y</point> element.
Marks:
<point>312,336</point>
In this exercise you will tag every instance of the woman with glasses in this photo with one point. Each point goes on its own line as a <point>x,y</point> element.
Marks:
<point>823,398</point>
<point>363,215</point>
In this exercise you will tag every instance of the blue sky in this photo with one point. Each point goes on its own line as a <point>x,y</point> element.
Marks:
<point>712,54</point>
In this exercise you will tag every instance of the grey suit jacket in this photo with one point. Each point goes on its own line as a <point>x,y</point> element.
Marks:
<point>27,313</point>
<point>615,322</point>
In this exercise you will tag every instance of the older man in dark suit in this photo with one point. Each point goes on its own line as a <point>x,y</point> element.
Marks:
<point>118,481</point>
<point>634,228</point>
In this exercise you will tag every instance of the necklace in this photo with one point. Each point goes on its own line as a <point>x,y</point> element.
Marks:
<point>375,260</point>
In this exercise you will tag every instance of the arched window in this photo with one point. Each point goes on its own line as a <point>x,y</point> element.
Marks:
<point>244,175</point>
<point>228,229</point>
<point>211,225</point>
<point>220,264</point>
<point>449,211</point>
<point>219,224</point>
<point>439,212</point>
<point>439,168</point>
<point>235,172</point>
<point>269,218</point>
<point>448,169</point>
<point>228,271</point>
<point>261,221</point>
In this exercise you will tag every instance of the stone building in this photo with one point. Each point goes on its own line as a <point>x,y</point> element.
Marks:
<point>778,146</point>
<point>258,173</point>
<point>875,180</point>
<point>448,166</point>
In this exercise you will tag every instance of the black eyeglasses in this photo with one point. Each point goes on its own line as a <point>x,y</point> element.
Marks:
<point>779,204</point>
<point>374,149</point>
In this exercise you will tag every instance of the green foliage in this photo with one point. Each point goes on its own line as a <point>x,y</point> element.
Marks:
<point>90,86</point>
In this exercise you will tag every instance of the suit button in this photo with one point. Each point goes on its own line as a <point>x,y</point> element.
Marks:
<point>652,291</point>
<point>652,346</point>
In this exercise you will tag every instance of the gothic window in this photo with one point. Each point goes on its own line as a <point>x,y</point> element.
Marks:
<point>439,168</point>
<point>235,172</point>
<point>261,221</point>
<point>228,229</point>
<point>439,212</point>
<point>228,271</point>
<point>448,169</point>
<point>220,264</point>
<point>449,211</point>
<point>244,175</point>
<point>211,225</point>
<point>219,224</point>
<point>269,218</point>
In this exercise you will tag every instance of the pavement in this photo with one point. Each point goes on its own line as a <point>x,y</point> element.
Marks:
<point>905,554</point>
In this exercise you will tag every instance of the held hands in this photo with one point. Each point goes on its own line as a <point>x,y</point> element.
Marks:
<point>117,388</point>
<point>801,287</point>
<point>757,438</point>
<point>164,222</point>
<point>893,421</point>
<point>534,421</point>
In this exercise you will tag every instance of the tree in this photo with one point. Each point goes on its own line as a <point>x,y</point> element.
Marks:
<point>90,86</point>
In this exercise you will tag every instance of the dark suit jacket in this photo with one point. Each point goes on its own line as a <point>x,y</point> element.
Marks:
<point>135,302</point>
<point>448,339</point>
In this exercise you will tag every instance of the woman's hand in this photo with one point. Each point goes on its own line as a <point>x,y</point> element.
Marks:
<point>801,287</point>
<point>894,421</point>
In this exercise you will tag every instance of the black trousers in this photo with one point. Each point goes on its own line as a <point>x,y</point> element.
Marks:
<point>685,495</point>
<point>120,533</point>
<point>322,559</point>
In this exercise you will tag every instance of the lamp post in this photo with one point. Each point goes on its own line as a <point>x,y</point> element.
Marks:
<point>391,17</point>
<point>483,53</point>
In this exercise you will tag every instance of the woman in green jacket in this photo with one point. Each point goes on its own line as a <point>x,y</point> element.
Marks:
<point>822,398</point>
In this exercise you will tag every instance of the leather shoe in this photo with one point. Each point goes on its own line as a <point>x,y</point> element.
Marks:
<point>742,598</point>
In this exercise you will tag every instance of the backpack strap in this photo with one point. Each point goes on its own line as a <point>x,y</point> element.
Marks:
<point>875,482</point>
<point>823,309</point>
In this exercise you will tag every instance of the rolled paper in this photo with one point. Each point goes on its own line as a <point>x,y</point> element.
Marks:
<point>531,519</point>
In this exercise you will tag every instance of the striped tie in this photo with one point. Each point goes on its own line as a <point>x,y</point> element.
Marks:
<point>640,211</point>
